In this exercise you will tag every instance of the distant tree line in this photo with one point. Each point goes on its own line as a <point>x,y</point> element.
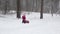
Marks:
<point>49,6</point>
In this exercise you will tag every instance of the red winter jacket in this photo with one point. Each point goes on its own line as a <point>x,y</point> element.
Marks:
<point>23,17</point>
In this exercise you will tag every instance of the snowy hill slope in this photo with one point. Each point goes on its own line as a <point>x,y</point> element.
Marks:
<point>9,24</point>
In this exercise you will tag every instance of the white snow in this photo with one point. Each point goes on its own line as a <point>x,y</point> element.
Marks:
<point>9,24</point>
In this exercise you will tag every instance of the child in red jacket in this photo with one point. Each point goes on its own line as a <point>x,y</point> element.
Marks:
<point>24,19</point>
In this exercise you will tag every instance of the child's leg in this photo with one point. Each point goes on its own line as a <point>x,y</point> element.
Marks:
<point>23,21</point>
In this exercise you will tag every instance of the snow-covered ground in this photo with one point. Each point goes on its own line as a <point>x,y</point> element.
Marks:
<point>9,24</point>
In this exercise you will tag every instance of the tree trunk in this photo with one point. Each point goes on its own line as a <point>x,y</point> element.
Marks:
<point>52,3</point>
<point>54,6</point>
<point>18,9</point>
<point>41,12</point>
<point>5,7</point>
<point>27,5</point>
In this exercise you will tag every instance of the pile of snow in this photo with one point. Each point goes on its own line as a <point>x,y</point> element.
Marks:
<point>12,12</point>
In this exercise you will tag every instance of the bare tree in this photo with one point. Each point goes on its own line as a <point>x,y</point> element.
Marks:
<point>41,12</point>
<point>26,5</point>
<point>54,6</point>
<point>18,9</point>
<point>0,4</point>
<point>32,5</point>
<point>6,7</point>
